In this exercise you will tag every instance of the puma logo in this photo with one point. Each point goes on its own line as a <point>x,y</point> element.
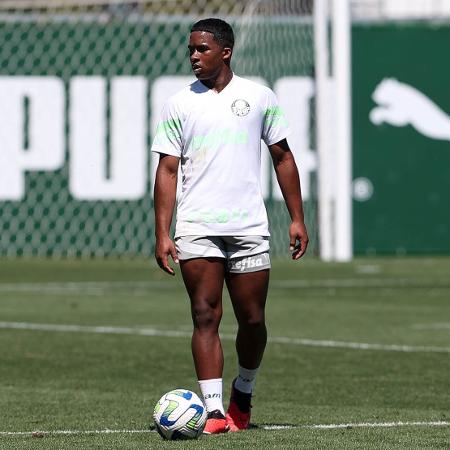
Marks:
<point>401,104</point>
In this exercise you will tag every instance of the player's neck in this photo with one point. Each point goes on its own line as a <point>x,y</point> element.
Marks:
<point>220,82</point>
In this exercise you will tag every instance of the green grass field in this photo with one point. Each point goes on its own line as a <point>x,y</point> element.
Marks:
<point>88,346</point>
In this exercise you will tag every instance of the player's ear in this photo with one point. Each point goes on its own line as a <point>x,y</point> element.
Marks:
<point>226,54</point>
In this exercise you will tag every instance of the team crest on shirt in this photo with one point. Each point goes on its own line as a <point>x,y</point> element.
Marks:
<point>240,107</point>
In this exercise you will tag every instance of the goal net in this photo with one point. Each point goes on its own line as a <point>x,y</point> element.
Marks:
<point>81,86</point>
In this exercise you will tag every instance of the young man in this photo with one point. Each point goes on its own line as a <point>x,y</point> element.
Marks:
<point>214,127</point>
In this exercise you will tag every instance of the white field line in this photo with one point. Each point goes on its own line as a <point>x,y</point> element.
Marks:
<point>431,326</point>
<point>331,426</point>
<point>334,426</point>
<point>99,287</point>
<point>185,334</point>
<point>82,288</point>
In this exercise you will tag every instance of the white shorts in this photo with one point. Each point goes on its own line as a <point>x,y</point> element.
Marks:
<point>242,253</point>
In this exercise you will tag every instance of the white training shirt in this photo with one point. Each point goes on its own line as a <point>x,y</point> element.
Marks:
<point>218,136</point>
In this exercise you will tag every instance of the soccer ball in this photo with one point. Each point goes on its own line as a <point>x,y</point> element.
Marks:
<point>180,414</point>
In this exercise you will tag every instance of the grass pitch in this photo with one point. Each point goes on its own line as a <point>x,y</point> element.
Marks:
<point>90,346</point>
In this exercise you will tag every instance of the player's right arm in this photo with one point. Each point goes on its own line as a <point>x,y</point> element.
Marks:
<point>164,203</point>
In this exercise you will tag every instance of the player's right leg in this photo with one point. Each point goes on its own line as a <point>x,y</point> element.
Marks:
<point>204,278</point>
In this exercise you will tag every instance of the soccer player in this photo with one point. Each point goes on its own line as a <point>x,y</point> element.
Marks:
<point>214,128</point>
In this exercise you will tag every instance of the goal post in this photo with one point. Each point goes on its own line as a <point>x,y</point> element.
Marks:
<point>343,236</point>
<point>332,34</point>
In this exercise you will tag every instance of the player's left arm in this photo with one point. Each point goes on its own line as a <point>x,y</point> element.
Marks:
<point>289,181</point>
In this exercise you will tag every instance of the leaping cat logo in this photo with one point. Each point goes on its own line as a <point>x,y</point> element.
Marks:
<point>400,104</point>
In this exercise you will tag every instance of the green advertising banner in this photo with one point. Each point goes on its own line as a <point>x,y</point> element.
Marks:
<point>401,138</point>
<point>80,95</point>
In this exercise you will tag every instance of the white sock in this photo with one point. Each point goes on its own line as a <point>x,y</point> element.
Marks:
<point>212,394</point>
<point>246,380</point>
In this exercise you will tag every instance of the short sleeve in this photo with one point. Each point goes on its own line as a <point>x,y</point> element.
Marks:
<point>275,126</point>
<point>168,138</point>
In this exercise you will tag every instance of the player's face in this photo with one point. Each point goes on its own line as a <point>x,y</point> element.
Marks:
<point>207,56</point>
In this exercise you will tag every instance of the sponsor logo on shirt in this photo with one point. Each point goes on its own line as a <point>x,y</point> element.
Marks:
<point>217,138</point>
<point>240,107</point>
<point>222,215</point>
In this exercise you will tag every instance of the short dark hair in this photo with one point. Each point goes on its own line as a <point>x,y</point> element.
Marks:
<point>221,30</point>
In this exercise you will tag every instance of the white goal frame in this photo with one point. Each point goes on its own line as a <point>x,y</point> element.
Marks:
<point>333,122</point>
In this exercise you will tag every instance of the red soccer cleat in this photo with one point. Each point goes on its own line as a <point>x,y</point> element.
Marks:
<point>215,423</point>
<point>239,411</point>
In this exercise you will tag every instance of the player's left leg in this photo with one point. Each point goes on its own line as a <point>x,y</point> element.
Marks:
<point>248,292</point>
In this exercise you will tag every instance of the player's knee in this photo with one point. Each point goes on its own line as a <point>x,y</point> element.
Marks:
<point>254,320</point>
<point>205,317</point>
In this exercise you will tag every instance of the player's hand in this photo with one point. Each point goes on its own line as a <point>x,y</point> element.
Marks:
<point>298,239</point>
<point>165,248</point>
